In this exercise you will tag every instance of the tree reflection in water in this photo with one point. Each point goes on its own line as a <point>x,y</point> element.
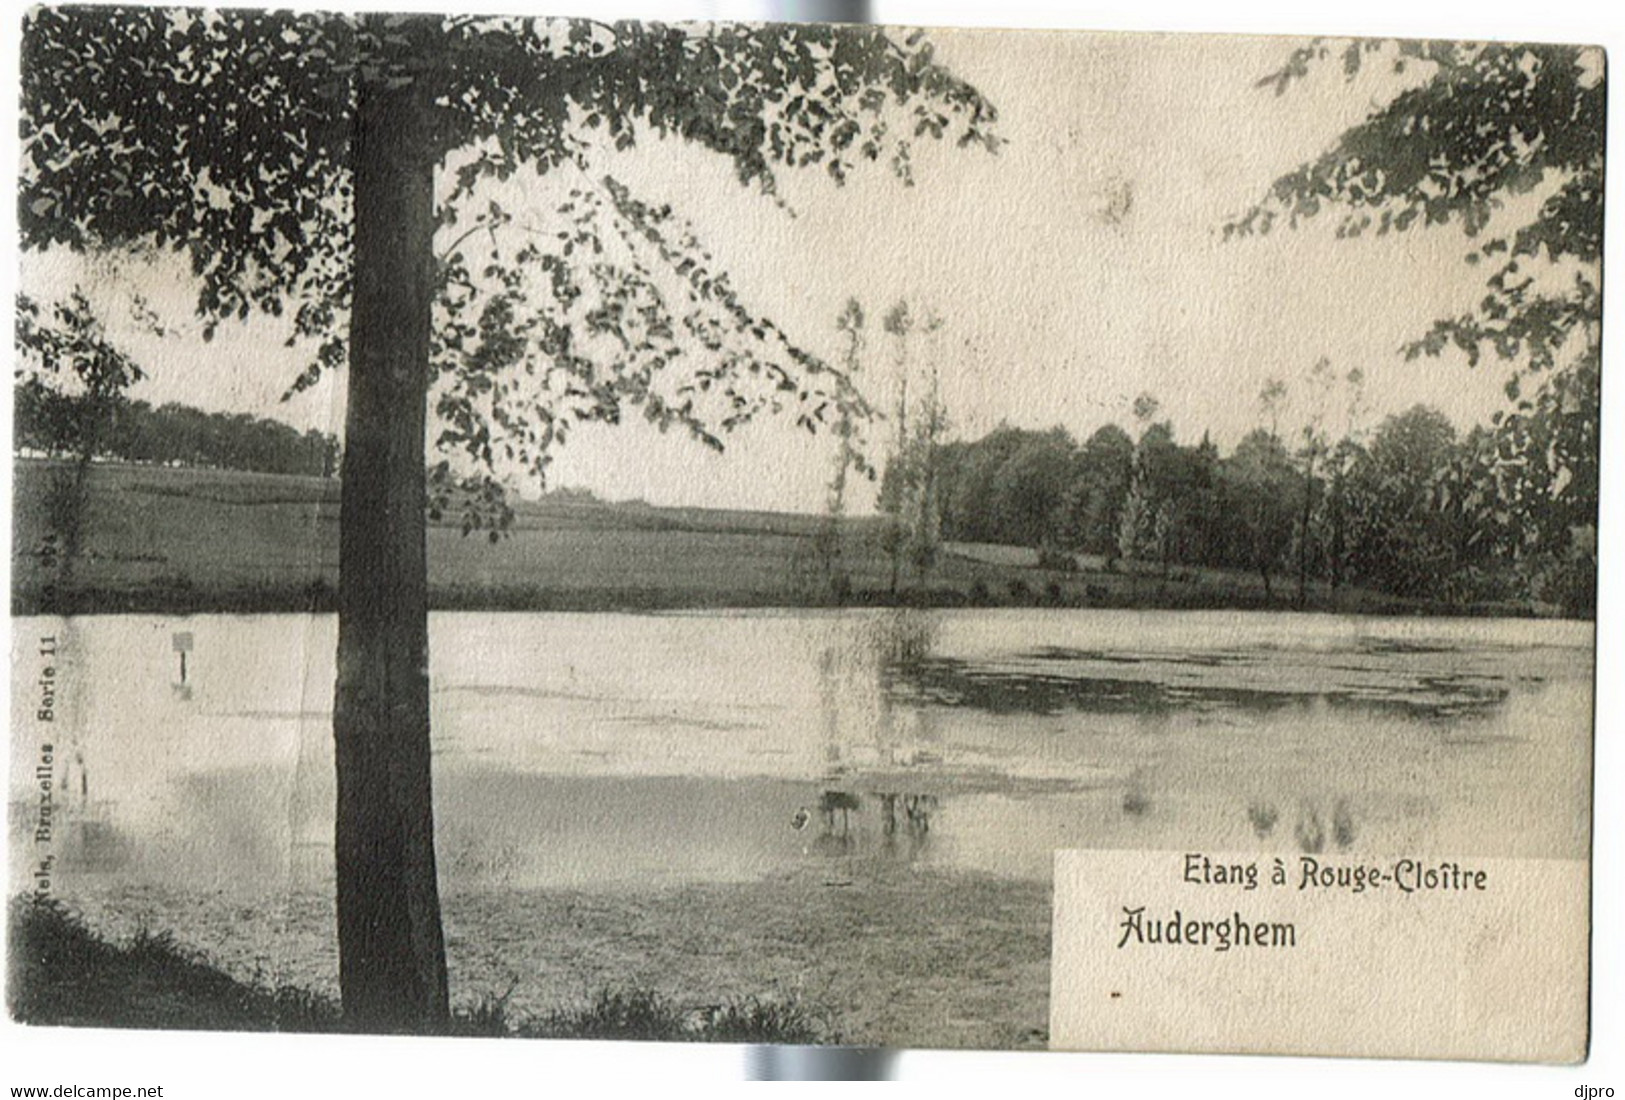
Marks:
<point>874,756</point>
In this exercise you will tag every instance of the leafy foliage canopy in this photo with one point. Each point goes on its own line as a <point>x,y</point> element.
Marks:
<point>226,135</point>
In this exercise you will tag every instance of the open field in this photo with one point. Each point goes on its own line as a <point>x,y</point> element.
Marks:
<point>191,540</point>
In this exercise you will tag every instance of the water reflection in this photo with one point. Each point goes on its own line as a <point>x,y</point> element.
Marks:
<point>621,750</point>
<point>901,829</point>
<point>880,751</point>
<point>868,709</point>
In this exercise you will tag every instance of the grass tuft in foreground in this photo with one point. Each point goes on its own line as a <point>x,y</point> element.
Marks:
<point>642,1014</point>
<point>64,974</point>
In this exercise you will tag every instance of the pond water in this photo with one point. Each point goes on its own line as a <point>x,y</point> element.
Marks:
<point>614,752</point>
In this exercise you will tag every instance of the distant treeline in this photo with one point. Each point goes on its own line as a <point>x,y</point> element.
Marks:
<point>52,423</point>
<point>1410,508</point>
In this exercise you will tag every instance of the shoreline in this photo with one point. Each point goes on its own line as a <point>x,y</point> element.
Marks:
<point>320,597</point>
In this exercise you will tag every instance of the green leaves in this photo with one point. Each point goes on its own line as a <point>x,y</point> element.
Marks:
<point>226,135</point>
<point>68,342</point>
<point>1489,122</point>
<point>203,133</point>
<point>610,304</point>
<point>70,378</point>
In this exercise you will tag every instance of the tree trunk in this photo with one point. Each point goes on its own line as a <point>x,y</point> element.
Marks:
<point>903,473</point>
<point>392,964</point>
<point>1303,530</point>
<point>1335,566</point>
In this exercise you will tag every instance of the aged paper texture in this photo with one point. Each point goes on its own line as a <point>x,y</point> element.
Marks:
<point>802,533</point>
<point>1401,957</point>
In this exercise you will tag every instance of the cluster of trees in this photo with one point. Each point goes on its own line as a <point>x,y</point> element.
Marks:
<point>910,494</point>
<point>1411,507</point>
<point>49,421</point>
<point>916,429</point>
<point>1489,121</point>
<point>1509,510</point>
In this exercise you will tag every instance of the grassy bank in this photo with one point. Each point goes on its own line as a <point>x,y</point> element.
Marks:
<point>64,974</point>
<point>180,541</point>
<point>873,951</point>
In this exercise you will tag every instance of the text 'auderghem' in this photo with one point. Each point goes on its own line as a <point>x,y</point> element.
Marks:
<point>1177,930</point>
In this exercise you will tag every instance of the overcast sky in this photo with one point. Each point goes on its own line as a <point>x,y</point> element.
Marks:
<point>1081,265</point>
